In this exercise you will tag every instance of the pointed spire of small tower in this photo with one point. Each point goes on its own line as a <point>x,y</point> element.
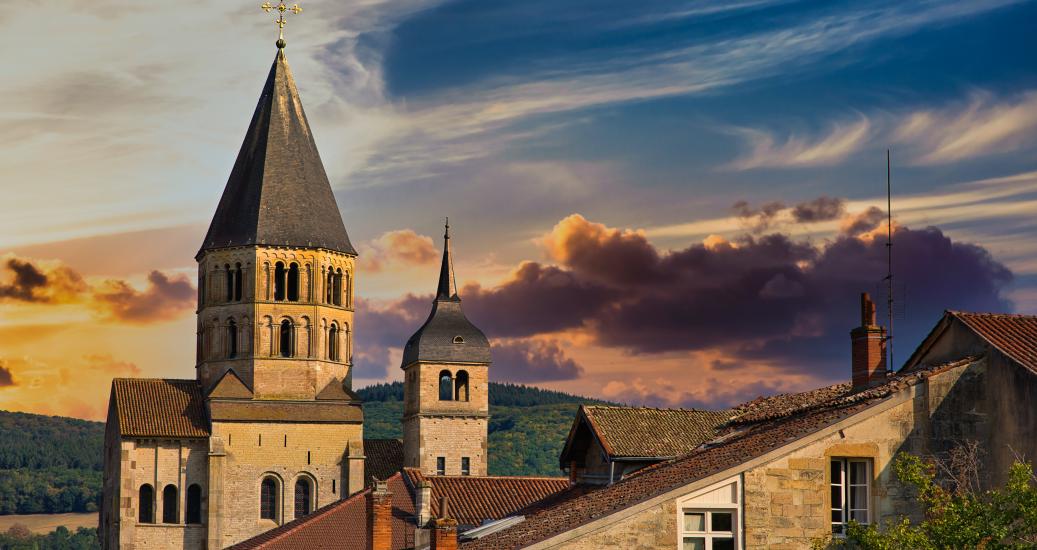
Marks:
<point>447,289</point>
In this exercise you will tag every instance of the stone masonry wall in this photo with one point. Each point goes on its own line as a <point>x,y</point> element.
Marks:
<point>451,429</point>
<point>160,463</point>
<point>287,452</point>
<point>652,528</point>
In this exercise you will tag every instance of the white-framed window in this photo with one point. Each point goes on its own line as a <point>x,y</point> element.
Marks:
<point>441,465</point>
<point>850,492</point>
<point>708,530</point>
<point>711,518</point>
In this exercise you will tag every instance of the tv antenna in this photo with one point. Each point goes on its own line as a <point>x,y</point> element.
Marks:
<point>889,263</point>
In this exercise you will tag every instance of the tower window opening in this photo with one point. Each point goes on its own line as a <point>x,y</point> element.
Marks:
<point>268,499</point>
<point>333,488</point>
<point>337,297</point>
<point>461,386</point>
<point>287,339</point>
<point>466,466</point>
<point>329,287</point>
<point>229,280</point>
<point>293,282</point>
<point>458,339</point>
<point>279,282</point>
<point>146,495</point>
<point>194,504</point>
<point>238,277</point>
<point>446,386</point>
<point>441,465</point>
<point>232,339</point>
<point>302,497</point>
<point>333,336</point>
<point>169,504</point>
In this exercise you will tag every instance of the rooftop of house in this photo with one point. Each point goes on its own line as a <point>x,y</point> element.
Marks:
<point>159,407</point>
<point>759,427</point>
<point>647,432</point>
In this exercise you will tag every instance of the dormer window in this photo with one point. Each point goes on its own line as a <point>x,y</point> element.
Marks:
<point>458,340</point>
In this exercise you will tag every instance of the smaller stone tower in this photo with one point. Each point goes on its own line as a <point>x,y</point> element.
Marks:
<point>446,366</point>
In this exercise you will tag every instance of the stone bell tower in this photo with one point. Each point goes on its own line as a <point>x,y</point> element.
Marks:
<point>446,407</point>
<point>275,330</point>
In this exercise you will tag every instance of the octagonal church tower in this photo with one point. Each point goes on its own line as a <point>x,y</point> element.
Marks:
<point>446,386</point>
<point>275,317</point>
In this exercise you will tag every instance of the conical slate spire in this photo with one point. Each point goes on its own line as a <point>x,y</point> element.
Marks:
<point>447,289</point>
<point>278,193</point>
<point>447,334</point>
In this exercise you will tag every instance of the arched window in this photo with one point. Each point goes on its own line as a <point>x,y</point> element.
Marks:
<point>293,282</point>
<point>279,282</point>
<point>146,508</point>
<point>237,282</point>
<point>446,386</point>
<point>333,342</point>
<point>194,504</point>
<point>338,287</point>
<point>228,275</point>
<point>461,386</point>
<point>329,287</point>
<point>303,490</point>
<point>232,339</point>
<point>268,499</point>
<point>348,289</point>
<point>170,511</point>
<point>287,339</point>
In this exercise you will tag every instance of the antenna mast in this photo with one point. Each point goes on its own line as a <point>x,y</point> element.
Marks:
<point>889,263</point>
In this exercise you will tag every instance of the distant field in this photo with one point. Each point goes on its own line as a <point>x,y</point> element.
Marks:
<point>45,523</point>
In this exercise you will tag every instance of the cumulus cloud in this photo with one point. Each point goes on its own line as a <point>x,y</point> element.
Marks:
<point>6,378</point>
<point>769,297</point>
<point>757,220</point>
<point>400,247</point>
<point>532,361</point>
<point>984,125</point>
<point>40,282</point>
<point>821,209</point>
<point>163,299</point>
<point>766,149</point>
<point>379,330</point>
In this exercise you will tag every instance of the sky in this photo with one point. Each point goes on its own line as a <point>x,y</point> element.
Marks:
<point>667,203</point>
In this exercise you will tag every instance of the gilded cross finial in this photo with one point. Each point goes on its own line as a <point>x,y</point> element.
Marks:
<point>281,8</point>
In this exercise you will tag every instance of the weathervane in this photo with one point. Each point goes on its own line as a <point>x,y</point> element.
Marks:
<point>281,9</point>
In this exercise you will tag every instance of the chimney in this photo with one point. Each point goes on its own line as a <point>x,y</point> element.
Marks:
<point>869,348</point>
<point>444,529</point>
<point>379,516</point>
<point>423,503</point>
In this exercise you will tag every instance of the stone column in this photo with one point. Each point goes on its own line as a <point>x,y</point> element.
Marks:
<point>214,501</point>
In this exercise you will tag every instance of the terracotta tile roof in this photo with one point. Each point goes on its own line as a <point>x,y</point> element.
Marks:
<point>783,424</point>
<point>1013,335</point>
<point>157,407</point>
<point>341,525</point>
<point>475,499</point>
<point>649,432</point>
<point>382,458</point>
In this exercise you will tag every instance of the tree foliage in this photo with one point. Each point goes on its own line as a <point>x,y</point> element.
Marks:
<point>20,538</point>
<point>958,515</point>
<point>49,464</point>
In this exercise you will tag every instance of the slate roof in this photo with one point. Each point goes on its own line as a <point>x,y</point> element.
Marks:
<point>1013,335</point>
<point>382,458</point>
<point>278,193</point>
<point>342,525</point>
<point>650,432</point>
<point>784,419</point>
<point>159,407</point>
<point>436,340</point>
<point>475,499</point>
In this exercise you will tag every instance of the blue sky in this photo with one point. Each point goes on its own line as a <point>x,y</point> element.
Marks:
<point>574,140</point>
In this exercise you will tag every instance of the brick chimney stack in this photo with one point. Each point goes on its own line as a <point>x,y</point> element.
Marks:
<point>869,348</point>
<point>379,514</point>
<point>444,529</point>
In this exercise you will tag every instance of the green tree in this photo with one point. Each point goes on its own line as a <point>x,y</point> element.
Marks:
<point>957,515</point>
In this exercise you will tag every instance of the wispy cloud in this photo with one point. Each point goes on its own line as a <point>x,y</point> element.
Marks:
<point>769,151</point>
<point>984,125</point>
